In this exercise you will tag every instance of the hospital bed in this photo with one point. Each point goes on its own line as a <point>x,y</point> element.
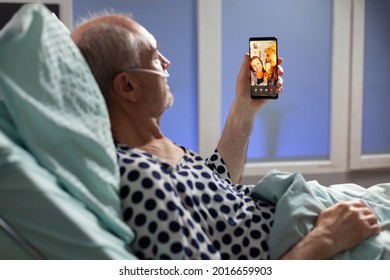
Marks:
<point>58,171</point>
<point>59,176</point>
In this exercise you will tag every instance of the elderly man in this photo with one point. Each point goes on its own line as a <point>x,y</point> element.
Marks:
<point>180,205</point>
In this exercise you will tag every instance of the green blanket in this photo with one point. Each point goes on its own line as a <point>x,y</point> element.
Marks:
<point>298,203</point>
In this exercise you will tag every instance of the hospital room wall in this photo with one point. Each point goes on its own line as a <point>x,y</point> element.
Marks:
<point>296,132</point>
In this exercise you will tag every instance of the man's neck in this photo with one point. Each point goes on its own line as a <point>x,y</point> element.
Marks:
<point>136,135</point>
<point>151,141</point>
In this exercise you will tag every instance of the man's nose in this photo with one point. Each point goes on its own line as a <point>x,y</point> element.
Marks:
<point>165,62</point>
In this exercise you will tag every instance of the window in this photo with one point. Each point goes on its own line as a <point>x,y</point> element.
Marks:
<point>61,8</point>
<point>370,144</point>
<point>326,120</point>
<point>307,128</point>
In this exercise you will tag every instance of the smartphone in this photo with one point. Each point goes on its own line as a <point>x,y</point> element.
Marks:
<point>263,52</point>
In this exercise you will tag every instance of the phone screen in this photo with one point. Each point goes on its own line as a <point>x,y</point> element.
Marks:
<point>263,52</point>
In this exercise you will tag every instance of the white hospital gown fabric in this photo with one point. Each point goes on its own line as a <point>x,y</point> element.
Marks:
<point>191,210</point>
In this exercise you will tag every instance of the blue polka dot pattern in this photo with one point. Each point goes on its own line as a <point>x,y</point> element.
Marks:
<point>190,211</point>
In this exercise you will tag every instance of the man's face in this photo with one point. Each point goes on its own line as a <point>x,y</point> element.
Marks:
<point>155,87</point>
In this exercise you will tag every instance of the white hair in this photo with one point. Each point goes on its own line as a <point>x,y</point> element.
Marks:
<point>109,48</point>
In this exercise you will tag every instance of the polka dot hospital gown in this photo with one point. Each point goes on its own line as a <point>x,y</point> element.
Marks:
<point>190,211</point>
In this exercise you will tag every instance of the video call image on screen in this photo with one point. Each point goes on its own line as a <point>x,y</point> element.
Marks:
<point>263,65</point>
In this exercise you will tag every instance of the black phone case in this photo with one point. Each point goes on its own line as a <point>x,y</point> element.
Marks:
<point>265,88</point>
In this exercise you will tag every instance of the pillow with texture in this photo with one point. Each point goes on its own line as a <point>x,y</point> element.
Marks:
<point>49,218</point>
<point>55,111</point>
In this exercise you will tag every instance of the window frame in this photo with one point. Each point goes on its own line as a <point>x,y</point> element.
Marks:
<point>358,160</point>
<point>209,80</point>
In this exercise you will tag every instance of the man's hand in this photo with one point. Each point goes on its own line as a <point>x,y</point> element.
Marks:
<point>346,224</point>
<point>338,228</point>
<point>243,84</point>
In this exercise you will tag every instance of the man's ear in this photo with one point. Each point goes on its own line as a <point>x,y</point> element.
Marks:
<point>124,87</point>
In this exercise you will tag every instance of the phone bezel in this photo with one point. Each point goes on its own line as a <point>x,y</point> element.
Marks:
<point>252,87</point>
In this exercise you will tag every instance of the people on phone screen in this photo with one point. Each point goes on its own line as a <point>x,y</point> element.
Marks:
<point>271,63</point>
<point>259,74</point>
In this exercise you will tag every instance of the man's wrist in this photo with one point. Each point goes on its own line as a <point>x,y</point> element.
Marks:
<point>241,117</point>
<point>314,246</point>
